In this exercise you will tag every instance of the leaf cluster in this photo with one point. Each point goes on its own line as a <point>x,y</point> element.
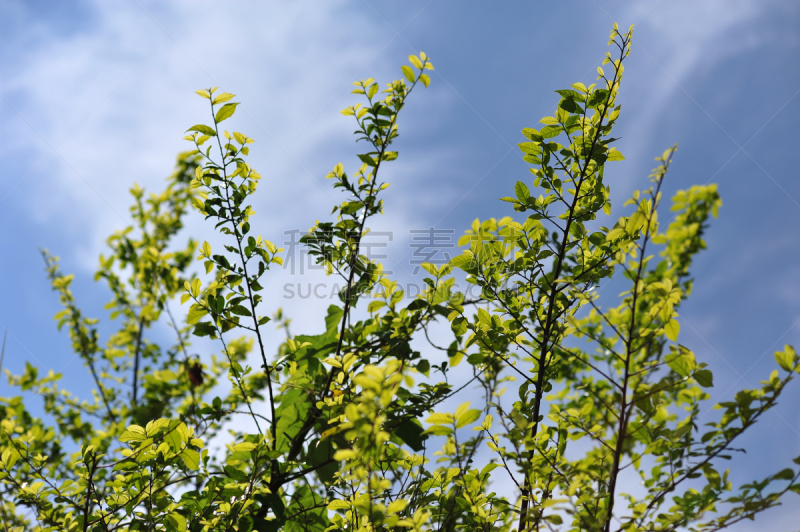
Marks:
<point>351,425</point>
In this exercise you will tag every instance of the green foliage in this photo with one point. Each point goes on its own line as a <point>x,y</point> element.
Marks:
<point>339,442</point>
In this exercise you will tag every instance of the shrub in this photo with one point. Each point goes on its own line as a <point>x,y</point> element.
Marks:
<point>597,389</point>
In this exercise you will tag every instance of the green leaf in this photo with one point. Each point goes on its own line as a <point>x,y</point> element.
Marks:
<point>195,313</point>
<point>225,112</point>
<point>411,434</point>
<point>614,155</point>
<point>333,318</point>
<point>125,466</point>
<point>680,432</point>
<point>204,329</point>
<point>704,378</point>
<point>530,147</point>
<point>397,506</point>
<point>408,73</point>
<point>338,505</point>
<point>269,502</point>
<point>549,132</point>
<point>439,430</point>
<point>178,521</point>
<point>484,317</point>
<point>488,468</point>
<point>194,288</point>
<point>462,261</point>
<point>532,134</point>
<point>470,416</point>
<point>598,96</point>
<point>367,159</point>
<point>681,361</point>
<point>191,458</point>
<point>569,105</point>
<point>133,433</point>
<point>181,429</point>
<point>440,418</point>
<point>375,305</point>
<point>205,130</point>
<point>292,413</point>
<point>522,192</point>
<point>155,426</point>
<point>569,93</point>
<point>672,329</point>
<point>785,358</point>
<point>372,91</point>
<point>322,453</point>
<point>239,310</point>
<point>222,98</point>
<point>10,456</point>
<point>173,439</point>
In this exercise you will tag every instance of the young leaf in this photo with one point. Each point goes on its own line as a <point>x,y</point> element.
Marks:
<point>222,98</point>
<point>205,130</point>
<point>785,358</point>
<point>672,329</point>
<point>225,112</point>
<point>408,73</point>
<point>704,378</point>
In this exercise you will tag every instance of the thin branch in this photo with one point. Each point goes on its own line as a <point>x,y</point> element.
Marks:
<point>136,355</point>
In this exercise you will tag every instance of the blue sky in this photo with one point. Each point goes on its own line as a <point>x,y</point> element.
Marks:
<point>97,95</point>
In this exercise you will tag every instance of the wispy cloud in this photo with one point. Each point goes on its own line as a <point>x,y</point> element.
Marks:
<point>115,98</point>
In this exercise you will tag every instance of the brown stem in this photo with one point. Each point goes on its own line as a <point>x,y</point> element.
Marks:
<point>247,283</point>
<point>87,506</point>
<point>624,406</point>
<point>548,327</point>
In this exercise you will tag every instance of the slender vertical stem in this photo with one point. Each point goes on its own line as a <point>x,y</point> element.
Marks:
<point>238,379</point>
<point>136,356</point>
<point>2,503</point>
<point>357,245</point>
<point>89,490</point>
<point>624,405</point>
<point>78,335</point>
<point>549,323</point>
<point>187,361</point>
<point>247,283</point>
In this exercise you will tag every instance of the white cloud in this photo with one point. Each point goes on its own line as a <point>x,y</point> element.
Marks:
<point>122,95</point>
<point>673,44</point>
<point>117,97</point>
